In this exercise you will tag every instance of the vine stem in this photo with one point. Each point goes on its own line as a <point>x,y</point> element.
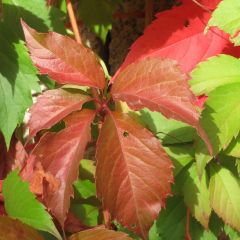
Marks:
<point>187,228</point>
<point>148,12</point>
<point>73,21</point>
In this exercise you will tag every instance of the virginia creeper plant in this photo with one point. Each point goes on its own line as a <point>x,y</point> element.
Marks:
<point>164,130</point>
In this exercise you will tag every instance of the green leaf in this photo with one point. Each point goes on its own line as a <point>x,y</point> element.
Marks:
<point>215,72</point>
<point>41,17</point>
<point>87,213</point>
<point>21,204</point>
<point>100,19</point>
<point>234,148</point>
<point>17,79</point>
<point>233,235</point>
<point>198,232</point>
<point>227,18</point>
<point>171,221</point>
<point>180,155</point>
<point>169,131</point>
<point>221,116</point>
<point>85,188</point>
<point>202,156</point>
<point>196,196</point>
<point>224,191</point>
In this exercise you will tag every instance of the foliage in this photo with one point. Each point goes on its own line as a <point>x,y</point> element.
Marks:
<point>133,152</point>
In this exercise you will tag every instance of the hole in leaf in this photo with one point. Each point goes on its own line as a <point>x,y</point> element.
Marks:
<point>186,23</point>
<point>125,134</point>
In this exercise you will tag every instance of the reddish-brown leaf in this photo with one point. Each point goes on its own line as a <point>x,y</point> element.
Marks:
<point>11,229</point>
<point>159,85</point>
<point>52,106</point>
<point>13,158</point>
<point>133,174</point>
<point>99,234</point>
<point>63,59</point>
<point>34,173</point>
<point>179,34</point>
<point>60,154</point>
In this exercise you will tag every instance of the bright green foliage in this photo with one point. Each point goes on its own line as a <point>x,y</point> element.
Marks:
<point>169,131</point>
<point>234,148</point>
<point>85,188</point>
<point>87,213</point>
<point>196,196</point>
<point>227,18</point>
<point>233,235</point>
<point>221,120</point>
<point>224,190</point>
<point>21,204</point>
<point>100,19</point>
<point>215,72</point>
<point>171,221</point>
<point>17,73</point>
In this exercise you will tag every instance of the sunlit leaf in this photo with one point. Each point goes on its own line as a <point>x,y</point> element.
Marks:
<point>133,173</point>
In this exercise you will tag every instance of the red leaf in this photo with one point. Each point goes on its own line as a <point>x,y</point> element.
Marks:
<point>159,85</point>
<point>133,174</point>
<point>52,106</point>
<point>59,154</point>
<point>63,59</point>
<point>179,34</point>
<point>100,234</point>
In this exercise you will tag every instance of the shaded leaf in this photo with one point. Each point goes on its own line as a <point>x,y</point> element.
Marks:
<point>72,64</point>
<point>196,196</point>
<point>202,156</point>
<point>181,156</point>
<point>60,154</point>
<point>199,233</point>
<point>221,120</point>
<point>52,106</point>
<point>100,234</point>
<point>159,85</point>
<point>227,18</point>
<point>137,171</point>
<point>11,229</point>
<point>87,213</point>
<point>183,39</point>
<point>21,204</point>
<point>171,221</point>
<point>224,191</point>
<point>215,72</point>
<point>100,19</point>
<point>169,131</point>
